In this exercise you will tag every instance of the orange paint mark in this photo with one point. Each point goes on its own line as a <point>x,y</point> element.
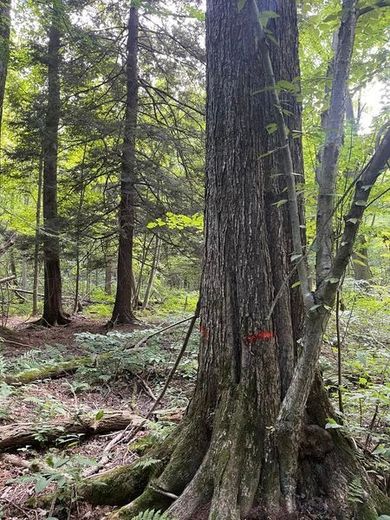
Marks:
<point>262,335</point>
<point>204,332</point>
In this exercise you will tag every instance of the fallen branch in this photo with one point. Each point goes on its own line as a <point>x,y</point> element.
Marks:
<point>7,279</point>
<point>146,338</point>
<point>17,435</point>
<point>7,244</point>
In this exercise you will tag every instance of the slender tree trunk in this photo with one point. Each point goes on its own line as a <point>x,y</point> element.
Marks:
<point>145,250</point>
<point>333,125</point>
<point>107,270</point>
<point>152,274</point>
<point>37,239</point>
<point>5,21</point>
<point>53,313</point>
<point>77,305</point>
<point>123,312</point>
<point>360,263</point>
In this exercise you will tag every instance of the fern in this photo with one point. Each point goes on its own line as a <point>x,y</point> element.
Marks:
<point>3,365</point>
<point>152,514</point>
<point>146,463</point>
<point>355,491</point>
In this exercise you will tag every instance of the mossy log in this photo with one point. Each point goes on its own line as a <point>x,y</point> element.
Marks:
<point>49,371</point>
<point>57,370</point>
<point>17,435</point>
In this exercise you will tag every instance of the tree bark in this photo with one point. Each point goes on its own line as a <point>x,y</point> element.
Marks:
<point>152,274</point>
<point>5,22</point>
<point>53,313</point>
<point>360,263</point>
<point>107,270</point>
<point>123,312</point>
<point>37,239</point>
<point>333,125</point>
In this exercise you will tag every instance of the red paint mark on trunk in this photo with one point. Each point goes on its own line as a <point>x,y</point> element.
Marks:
<point>204,332</point>
<point>262,335</point>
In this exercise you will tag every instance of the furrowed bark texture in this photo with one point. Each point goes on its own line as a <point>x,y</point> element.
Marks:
<point>123,312</point>
<point>53,313</point>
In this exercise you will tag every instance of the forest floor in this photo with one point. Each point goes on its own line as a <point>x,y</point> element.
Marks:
<point>116,378</point>
<point>93,390</point>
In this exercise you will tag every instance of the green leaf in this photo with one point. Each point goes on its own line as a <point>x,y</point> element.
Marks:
<point>241,5</point>
<point>266,16</point>
<point>295,257</point>
<point>280,203</point>
<point>332,424</point>
<point>99,415</point>
<point>296,284</point>
<point>331,17</point>
<point>333,280</point>
<point>271,128</point>
<point>41,484</point>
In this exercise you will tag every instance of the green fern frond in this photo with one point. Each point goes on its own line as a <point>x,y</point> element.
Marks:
<point>146,463</point>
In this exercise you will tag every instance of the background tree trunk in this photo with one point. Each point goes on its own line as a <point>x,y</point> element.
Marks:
<point>37,239</point>
<point>360,263</point>
<point>123,312</point>
<point>152,274</point>
<point>53,313</point>
<point>5,21</point>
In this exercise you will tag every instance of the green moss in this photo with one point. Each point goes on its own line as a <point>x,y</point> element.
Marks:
<point>118,486</point>
<point>150,499</point>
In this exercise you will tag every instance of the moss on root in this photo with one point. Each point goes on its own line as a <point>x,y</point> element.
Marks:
<point>116,487</point>
<point>149,499</point>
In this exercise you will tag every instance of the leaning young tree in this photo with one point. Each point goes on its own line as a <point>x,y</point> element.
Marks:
<point>123,312</point>
<point>254,441</point>
<point>53,313</point>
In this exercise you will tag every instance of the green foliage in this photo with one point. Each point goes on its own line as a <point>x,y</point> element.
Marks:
<point>159,431</point>
<point>177,221</point>
<point>62,471</point>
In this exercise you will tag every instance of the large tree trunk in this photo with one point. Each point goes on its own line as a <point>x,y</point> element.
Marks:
<point>123,312</point>
<point>5,21</point>
<point>53,313</point>
<point>227,461</point>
